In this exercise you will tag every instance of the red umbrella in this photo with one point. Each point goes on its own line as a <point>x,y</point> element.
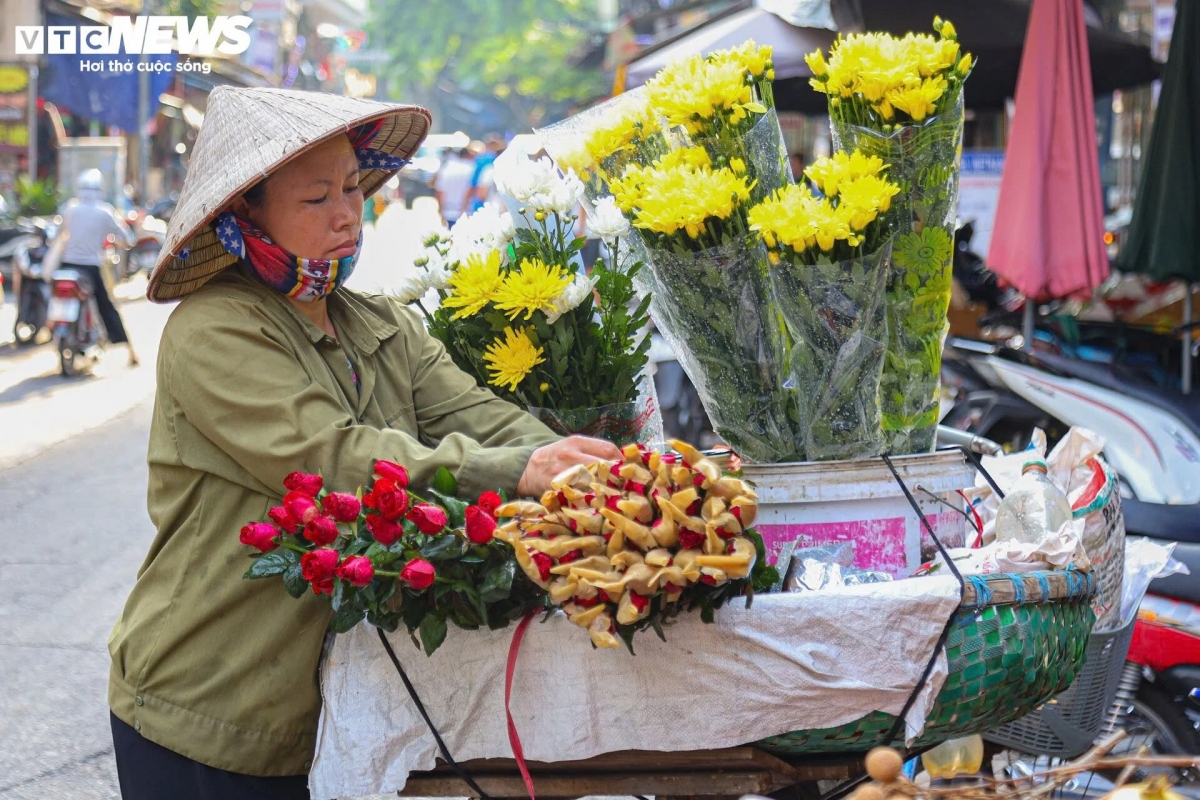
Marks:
<point>1048,238</point>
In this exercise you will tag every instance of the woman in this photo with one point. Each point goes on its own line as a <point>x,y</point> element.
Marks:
<point>87,223</point>
<point>266,367</point>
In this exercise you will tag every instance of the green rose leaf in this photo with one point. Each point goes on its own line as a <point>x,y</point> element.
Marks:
<point>444,482</point>
<point>293,581</point>
<point>442,548</point>
<point>433,633</point>
<point>498,583</point>
<point>349,615</point>
<point>269,565</point>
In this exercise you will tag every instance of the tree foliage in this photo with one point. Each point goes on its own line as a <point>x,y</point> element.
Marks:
<point>516,51</point>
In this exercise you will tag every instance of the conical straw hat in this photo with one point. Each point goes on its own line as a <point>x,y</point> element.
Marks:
<point>246,135</point>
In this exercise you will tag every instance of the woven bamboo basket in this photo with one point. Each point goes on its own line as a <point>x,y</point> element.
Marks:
<point>1015,641</point>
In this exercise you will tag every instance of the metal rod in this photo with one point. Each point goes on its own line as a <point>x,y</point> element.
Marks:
<point>1187,339</point>
<point>144,132</point>
<point>1028,328</point>
<point>33,122</point>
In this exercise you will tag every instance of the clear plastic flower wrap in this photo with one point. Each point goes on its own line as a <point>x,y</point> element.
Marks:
<point>713,309</point>
<point>636,422</point>
<point>761,149</point>
<point>923,159</point>
<point>836,324</point>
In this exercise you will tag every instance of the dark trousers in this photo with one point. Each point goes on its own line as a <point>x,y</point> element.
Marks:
<point>148,771</point>
<point>108,312</point>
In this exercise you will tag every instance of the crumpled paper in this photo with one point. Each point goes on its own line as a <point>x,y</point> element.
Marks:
<point>792,662</point>
<point>1062,550</point>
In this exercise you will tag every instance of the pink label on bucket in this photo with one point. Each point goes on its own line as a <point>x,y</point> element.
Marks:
<point>878,543</point>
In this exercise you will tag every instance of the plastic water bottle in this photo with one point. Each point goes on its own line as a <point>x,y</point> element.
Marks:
<point>955,757</point>
<point>1034,509</point>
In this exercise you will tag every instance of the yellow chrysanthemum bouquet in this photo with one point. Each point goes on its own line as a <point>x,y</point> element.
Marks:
<point>828,253</point>
<point>515,306</point>
<point>684,158</point>
<point>901,100</point>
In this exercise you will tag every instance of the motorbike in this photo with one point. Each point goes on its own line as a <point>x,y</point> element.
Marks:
<point>74,319</point>
<point>13,236</point>
<point>33,290</point>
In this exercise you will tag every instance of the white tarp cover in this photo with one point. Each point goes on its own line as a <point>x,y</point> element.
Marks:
<point>791,662</point>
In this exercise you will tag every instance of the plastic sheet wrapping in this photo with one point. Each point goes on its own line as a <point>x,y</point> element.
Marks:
<point>924,161</point>
<point>712,309</point>
<point>836,324</point>
<point>761,148</point>
<point>1145,560</point>
<point>637,422</point>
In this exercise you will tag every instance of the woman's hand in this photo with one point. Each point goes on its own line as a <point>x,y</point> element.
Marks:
<point>547,462</point>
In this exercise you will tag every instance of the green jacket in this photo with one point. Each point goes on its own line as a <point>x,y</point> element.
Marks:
<point>224,670</point>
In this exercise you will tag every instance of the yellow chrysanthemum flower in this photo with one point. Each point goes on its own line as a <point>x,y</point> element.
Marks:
<point>684,157</point>
<point>682,198</point>
<point>831,172</point>
<point>919,101</point>
<point>749,57</point>
<point>816,63</point>
<point>690,91</point>
<point>474,284</point>
<point>531,287</point>
<point>633,120</point>
<point>511,358</point>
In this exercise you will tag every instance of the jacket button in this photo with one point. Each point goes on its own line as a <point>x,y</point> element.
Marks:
<point>137,725</point>
<point>308,765</point>
<point>138,700</point>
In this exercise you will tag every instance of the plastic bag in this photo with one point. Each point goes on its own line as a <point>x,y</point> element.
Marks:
<point>762,149</point>
<point>924,160</point>
<point>1063,550</point>
<point>637,422</point>
<point>1145,560</point>
<point>836,324</point>
<point>826,567</point>
<point>712,309</point>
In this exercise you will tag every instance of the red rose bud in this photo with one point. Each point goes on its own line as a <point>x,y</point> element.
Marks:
<point>671,588</point>
<point>393,472</point>
<point>303,482</point>
<point>638,601</point>
<point>725,534</point>
<point>300,507</point>
<point>489,502</point>
<point>341,506</point>
<point>418,574</point>
<point>428,519</point>
<point>698,480</point>
<point>633,487</point>
<point>544,564</point>
<point>388,500</point>
<point>321,531</point>
<point>694,509</point>
<point>384,530</point>
<point>570,556</point>
<point>690,540</point>
<point>259,534</point>
<point>318,568</point>
<point>611,503</point>
<point>709,579</point>
<point>480,525</point>
<point>737,513</point>
<point>280,516</point>
<point>579,601</point>
<point>356,570</point>
<point>615,480</point>
<point>669,458</point>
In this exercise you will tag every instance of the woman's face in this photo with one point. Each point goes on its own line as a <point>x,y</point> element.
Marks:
<point>312,206</point>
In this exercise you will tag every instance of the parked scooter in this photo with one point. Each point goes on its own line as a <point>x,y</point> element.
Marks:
<point>74,319</point>
<point>33,288</point>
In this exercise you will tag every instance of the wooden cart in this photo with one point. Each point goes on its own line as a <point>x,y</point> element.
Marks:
<point>712,774</point>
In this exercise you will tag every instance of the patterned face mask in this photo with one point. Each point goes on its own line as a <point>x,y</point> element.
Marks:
<point>301,278</point>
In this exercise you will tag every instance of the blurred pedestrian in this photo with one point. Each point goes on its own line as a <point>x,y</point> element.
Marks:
<point>453,184</point>
<point>482,182</point>
<point>87,223</point>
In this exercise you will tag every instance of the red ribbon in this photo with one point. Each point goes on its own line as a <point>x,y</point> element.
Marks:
<point>514,739</point>
<point>978,519</point>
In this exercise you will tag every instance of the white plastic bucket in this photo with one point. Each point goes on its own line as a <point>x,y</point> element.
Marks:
<point>823,502</point>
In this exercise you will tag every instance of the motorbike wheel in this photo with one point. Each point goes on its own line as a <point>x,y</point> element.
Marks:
<point>68,361</point>
<point>1157,721</point>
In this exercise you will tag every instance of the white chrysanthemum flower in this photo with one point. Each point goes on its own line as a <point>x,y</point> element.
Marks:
<point>607,222</point>
<point>412,287</point>
<point>560,197</point>
<point>437,272</point>
<point>576,292</point>
<point>521,178</point>
<point>484,230</point>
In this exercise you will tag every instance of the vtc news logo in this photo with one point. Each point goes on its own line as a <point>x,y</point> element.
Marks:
<point>138,36</point>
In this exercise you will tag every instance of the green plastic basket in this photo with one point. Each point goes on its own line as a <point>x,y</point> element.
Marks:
<point>1016,641</point>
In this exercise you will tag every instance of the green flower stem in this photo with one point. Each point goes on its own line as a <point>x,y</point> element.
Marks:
<point>287,545</point>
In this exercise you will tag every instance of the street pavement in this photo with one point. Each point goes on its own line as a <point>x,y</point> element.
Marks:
<point>74,530</point>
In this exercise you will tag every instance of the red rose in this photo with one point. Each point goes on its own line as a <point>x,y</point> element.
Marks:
<point>280,516</point>
<point>418,574</point>
<point>388,499</point>
<point>638,601</point>
<point>489,502</point>
<point>356,570</point>
<point>611,502</point>
<point>570,557</point>
<point>259,534</point>
<point>480,525</point>
<point>544,564</point>
<point>384,530</point>
<point>321,531</point>
<point>428,519</point>
<point>393,472</point>
<point>318,567</point>
<point>690,540</point>
<point>341,506</point>
<point>303,482</point>
<point>300,507</point>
